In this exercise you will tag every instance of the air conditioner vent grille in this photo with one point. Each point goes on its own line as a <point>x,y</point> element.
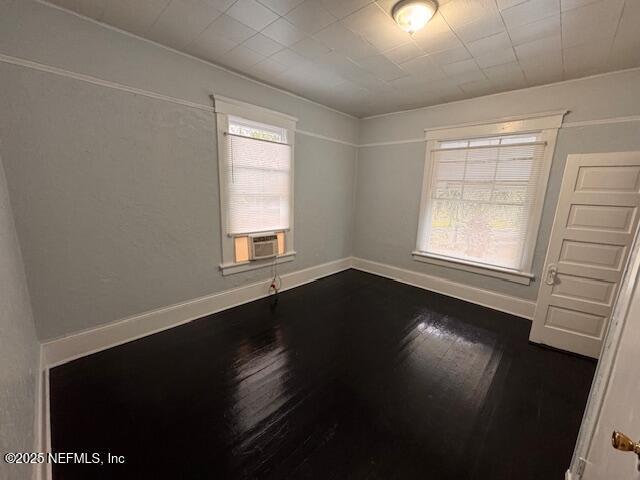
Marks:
<point>264,246</point>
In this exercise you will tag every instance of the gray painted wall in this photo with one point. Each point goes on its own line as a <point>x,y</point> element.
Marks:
<point>389,180</point>
<point>19,348</point>
<point>115,195</point>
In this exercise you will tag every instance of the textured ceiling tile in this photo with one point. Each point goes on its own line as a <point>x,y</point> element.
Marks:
<point>382,67</point>
<point>227,27</point>
<point>370,82</point>
<point>423,67</point>
<point>410,82</point>
<point>283,32</point>
<point>569,4</point>
<point>342,8</point>
<point>349,89</point>
<point>546,27</point>
<point>483,27</point>
<point>134,17</point>
<point>461,12</point>
<point>451,56</point>
<point>436,25</point>
<point>182,21</point>
<point>508,74</point>
<point>372,23</point>
<point>343,65</point>
<point>625,52</point>
<point>310,16</point>
<point>252,14</point>
<point>542,46</point>
<point>89,8</point>
<point>585,59</point>
<point>445,88</point>
<point>340,38</point>
<point>530,11</point>
<point>544,69</point>
<point>288,58</point>
<point>504,4</point>
<point>387,5</point>
<point>421,96</point>
<point>310,74</point>
<point>282,7</point>
<point>499,57</point>
<point>599,19</point>
<point>403,53</point>
<point>436,36</point>
<point>221,5</point>
<point>553,61</point>
<point>478,87</point>
<point>388,36</point>
<point>458,68</point>
<point>240,58</point>
<point>310,48</point>
<point>268,69</point>
<point>490,44</point>
<point>632,10</point>
<point>210,46</point>
<point>263,45</point>
<point>466,77</point>
<point>439,42</point>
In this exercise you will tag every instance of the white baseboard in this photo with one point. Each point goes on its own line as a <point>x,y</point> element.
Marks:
<point>62,350</point>
<point>65,349</point>
<point>487,298</point>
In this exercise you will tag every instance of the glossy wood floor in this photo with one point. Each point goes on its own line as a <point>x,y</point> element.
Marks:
<point>350,377</point>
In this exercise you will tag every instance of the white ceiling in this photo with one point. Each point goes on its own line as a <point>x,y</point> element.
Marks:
<point>350,55</point>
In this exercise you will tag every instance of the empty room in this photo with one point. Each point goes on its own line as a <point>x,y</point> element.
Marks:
<point>319,239</point>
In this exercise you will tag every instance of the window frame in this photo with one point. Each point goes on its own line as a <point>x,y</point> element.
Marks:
<point>224,108</point>
<point>544,124</point>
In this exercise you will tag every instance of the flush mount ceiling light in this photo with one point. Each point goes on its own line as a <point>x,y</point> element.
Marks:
<point>412,15</point>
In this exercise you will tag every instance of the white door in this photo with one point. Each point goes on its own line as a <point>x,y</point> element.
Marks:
<point>592,233</point>
<point>619,409</point>
<point>613,401</point>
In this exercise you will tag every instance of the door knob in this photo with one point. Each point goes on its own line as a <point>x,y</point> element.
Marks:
<point>552,271</point>
<point>621,442</point>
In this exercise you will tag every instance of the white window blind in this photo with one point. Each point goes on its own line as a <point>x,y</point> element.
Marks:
<point>481,199</point>
<point>258,178</point>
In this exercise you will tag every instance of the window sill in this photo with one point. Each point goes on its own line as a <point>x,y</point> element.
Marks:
<point>497,272</point>
<point>231,268</point>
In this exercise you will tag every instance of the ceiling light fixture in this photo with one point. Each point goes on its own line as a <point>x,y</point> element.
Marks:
<point>412,15</point>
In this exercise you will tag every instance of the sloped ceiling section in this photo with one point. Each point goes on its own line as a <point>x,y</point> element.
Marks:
<point>350,55</point>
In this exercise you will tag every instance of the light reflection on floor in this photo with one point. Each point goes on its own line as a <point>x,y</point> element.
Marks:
<point>260,374</point>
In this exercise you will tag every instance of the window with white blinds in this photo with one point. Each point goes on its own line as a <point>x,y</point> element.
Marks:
<point>257,168</point>
<point>256,174</point>
<point>481,200</point>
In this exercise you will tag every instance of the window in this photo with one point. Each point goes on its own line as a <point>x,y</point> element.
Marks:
<point>255,157</point>
<point>483,194</point>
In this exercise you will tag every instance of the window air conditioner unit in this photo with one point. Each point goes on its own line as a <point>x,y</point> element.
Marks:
<point>263,246</point>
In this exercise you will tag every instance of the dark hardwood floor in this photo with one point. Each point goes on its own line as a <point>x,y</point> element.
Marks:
<point>353,376</point>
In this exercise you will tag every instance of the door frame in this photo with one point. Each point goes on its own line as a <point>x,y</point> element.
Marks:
<point>606,361</point>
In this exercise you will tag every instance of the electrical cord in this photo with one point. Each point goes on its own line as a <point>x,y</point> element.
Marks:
<point>276,281</point>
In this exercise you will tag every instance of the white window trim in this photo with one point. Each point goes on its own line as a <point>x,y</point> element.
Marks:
<point>225,107</point>
<point>547,124</point>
